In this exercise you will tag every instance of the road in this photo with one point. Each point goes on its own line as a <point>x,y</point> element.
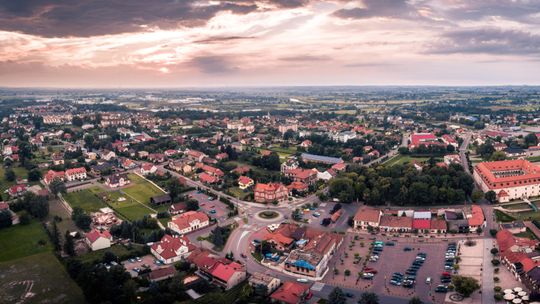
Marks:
<point>463,152</point>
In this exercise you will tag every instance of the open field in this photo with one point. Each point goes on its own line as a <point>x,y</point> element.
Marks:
<point>19,173</point>
<point>85,199</point>
<point>22,240</point>
<point>40,278</point>
<point>503,217</point>
<point>141,189</point>
<point>118,249</point>
<point>401,159</point>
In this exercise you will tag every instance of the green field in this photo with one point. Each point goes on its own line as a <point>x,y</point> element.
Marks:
<point>40,276</point>
<point>503,217</point>
<point>19,172</point>
<point>22,240</point>
<point>141,189</point>
<point>118,249</point>
<point>401,159</point>
<point>86,199</point>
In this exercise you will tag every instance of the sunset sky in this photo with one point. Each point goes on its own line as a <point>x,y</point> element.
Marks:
<point>180,43</point>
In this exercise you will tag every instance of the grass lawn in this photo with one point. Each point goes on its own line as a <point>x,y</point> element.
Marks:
<point>534,159</point>
<point>40,276</point>
<point>141,189</point>
<point>134,212</point>
<point>85,199</point>
<point>237,192</point>
<point>118,249</point>
<point>22,240</point>
<point>503,217</point>
<point>517,206</point>
<point>19,172</point>
<point>128,208</point>
<point>401,159</point>
<point>527,234</point>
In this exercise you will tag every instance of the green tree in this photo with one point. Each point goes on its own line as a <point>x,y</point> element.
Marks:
<point>477,195</point>
<point>192,205</point>
<point>82,220</point>
<point>531,139</point>
<point>9,175</point>
<point>217,237</point>
<point>55,237</point>
<point>34,175</point>
<point>368,298</point>
<point>69,246</point>
<point>465,285</point>
<point>415,300</point>
<point>497,155</point>
<point>57,186</point>
<point>491,196</point>
<point>5,219</point>
<point>337,296</point>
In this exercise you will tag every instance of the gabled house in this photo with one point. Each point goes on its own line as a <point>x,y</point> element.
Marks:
<point>189,221</point>
<point>75,174</point>
<point>171,249</point>
<point>98,239</point>
<point>245,182</point>
<point>117,180</point>
<point>148,168</point>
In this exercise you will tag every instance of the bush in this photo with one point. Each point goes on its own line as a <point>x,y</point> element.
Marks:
<point>495,262</point>
<point>497,288</point>
<point>496,279</point>
<point>498,297</point>
<point>494,251</point>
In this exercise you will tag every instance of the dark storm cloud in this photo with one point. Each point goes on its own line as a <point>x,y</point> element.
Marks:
<point>379,8</point>
<point>488,41</point>
<point>83,18</point>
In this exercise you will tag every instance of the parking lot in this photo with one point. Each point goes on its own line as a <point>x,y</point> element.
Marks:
<point>316,216</point>
<point>396,258</point>
<point>211,206</point>
<point>134,266</point>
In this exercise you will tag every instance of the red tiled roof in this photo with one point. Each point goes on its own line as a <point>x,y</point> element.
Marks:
<point>486,171</point>
<point>396,221</point>
<point>183,220</point>
<point>367,214</point>
<point>244,180</point>
<point>169,245</point>
<point>477,218</point>
<point>421,224</point>
<point>76,171</point>
<point>95,234</point>
<point>162,273</point>
<point>224,272</point>
<point>207,178</point>
<point>290,292</point>
<point>438,224</point>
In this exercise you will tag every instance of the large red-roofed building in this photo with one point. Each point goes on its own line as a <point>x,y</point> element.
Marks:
<point>509,179</point>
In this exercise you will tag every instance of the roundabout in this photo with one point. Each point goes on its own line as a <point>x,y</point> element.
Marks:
<point>268,215</point>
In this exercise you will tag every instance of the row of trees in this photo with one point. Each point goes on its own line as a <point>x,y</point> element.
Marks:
<point>403,185</point>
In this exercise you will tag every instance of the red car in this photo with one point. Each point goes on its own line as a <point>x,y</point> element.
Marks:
<point>309,295</point>
<point>370,270</point>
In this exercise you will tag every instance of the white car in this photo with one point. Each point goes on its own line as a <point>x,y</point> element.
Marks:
<point>428,280</point>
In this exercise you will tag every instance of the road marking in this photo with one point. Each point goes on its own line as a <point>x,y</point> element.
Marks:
<point>244,233</point>
<point>318,286</point>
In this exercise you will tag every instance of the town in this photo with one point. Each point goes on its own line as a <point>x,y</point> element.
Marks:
<point>406,200</point>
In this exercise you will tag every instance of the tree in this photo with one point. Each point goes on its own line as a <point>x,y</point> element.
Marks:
<point>34,175</point>
<point>337,296</point>
<point>465,285</point>
<point>175,188</point>
<point>368,298</point>
<point>69,246</point>
<point>415,300</point>
<point>24,218</point>
<point>9,175</point>
<point>494,251</point>
<point>5,219</point>
<point>531,139</point>
<point>192,205</point>
<point>497,155</point>
<point>477,195</point>
<point>55,237</point>
<point>57,186</point>
<point>491,196</point>
<point>77,121</point>
<point>217,237</point>
<point>82,220</point>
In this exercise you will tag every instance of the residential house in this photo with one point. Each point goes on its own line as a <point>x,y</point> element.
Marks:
<point>188,222</point>
<point>245,182</point>
<point>148,168</point>
<point>117,180</point>
<point>52,175</point>
<point>367,217</point>
<point>258,279</point>
<point>290,293</point>
<point>98,239</point>
<point>171,249</point>
<point>272,192</point>
<point>75,174</point>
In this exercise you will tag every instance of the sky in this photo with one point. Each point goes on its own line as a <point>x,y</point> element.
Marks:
<point>184,43</point>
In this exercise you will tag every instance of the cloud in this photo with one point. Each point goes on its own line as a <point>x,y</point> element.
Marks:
<point>487,41</point>
<point>213,64</point>
<point>519,10</point>
<point>379,8</point>
<point>300,58</point>
<point>219,39</point>
<point>84,18</point>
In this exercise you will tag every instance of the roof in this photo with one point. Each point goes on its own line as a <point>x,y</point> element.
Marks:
<point>224,272</point>
<point>207,178</point>
<point>506,240</point>
<point>270,187</point>
<point>421,224</point>
<point>79,170</point>
<point>168,247</point>
<point>477,217</point>
<point>321,158</point>
<point>183,220</point>
<point>290,292</point>
<point>367,214</point>
<point>396,221</point>
<point>162,273</point>
<point>95,234</point>
<point>158,199</point>
<point>492,173</point>
<point>422,215</point>
<point>244,180</point>
<point>438,224</point>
